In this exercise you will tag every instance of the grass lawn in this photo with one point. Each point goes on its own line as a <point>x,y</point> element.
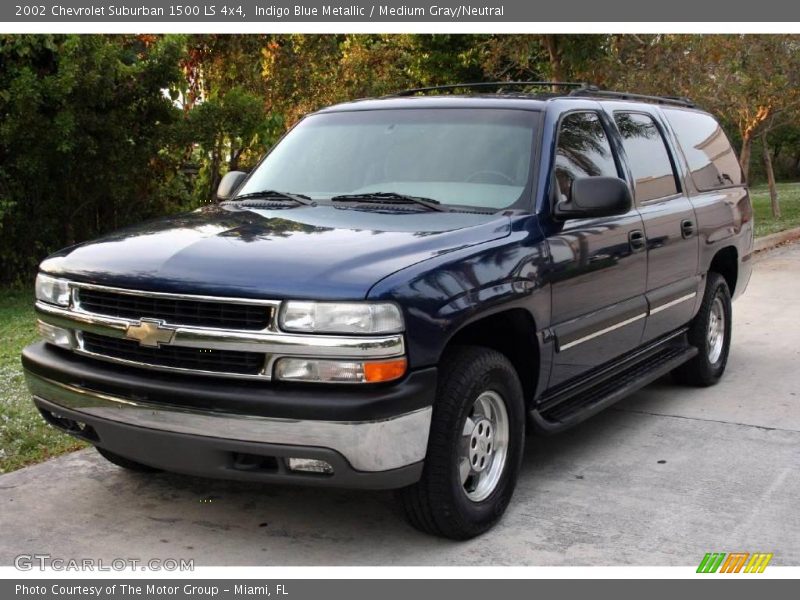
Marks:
<point>26,439</point>
<point>24,436</point>
<point>789,198</point>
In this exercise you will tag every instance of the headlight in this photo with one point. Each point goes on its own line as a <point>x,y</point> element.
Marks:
<point>341,317</point>
<point>52,290</point>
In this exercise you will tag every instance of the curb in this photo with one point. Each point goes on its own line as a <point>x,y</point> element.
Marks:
<point>768,242</point>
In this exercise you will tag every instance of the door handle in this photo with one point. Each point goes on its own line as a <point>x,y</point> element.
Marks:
<point>687,228</point>
<point>636,240</point>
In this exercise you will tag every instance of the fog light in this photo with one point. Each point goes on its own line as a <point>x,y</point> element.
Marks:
<point>55,335</point>
<point>310,465</point>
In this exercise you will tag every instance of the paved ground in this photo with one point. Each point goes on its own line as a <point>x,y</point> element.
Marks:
<point>660,479</point>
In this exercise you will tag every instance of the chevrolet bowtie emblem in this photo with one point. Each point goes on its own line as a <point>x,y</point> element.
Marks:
<point>150,332</point>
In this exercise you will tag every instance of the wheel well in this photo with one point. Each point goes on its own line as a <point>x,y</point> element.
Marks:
<point>513,334</point>
<point>726,263</point>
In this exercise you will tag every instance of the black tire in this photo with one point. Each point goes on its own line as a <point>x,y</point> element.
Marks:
<point>702,371</point>
<point>125,463</point>
<point>439,504</point>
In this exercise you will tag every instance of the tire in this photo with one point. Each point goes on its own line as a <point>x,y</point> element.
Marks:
<point>442,502</point>
<point>707,367</point>
<point>125,463</point>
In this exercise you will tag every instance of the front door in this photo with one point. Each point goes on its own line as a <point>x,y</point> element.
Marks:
<point>599,266</point>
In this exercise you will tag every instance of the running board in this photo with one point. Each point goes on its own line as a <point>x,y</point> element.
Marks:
<point>555,414</point>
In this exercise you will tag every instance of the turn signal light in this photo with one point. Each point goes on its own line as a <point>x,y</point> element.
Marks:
<point>386,370</point>
<point>335,371</point>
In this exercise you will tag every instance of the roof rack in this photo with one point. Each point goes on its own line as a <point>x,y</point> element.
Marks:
<point>596,92</point>
<point>491,84</point>
<point>578,89</point>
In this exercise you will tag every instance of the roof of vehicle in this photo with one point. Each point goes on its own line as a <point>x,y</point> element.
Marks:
<point>441,101</point>
<point>447,96</point>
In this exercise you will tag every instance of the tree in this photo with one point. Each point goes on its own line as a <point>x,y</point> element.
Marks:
<point>773,190</point>
<point>225,127</point>
<point>546,57</point>
<point>753,81</point>
<point>84,120</point>
<point>227,122</point>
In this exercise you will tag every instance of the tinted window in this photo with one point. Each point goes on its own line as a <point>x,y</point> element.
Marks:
<point>582,151</point>
<point>711,159</point>
<point>647,156</point>
<point>471,157</point>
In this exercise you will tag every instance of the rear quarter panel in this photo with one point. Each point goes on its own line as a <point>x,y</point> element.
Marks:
<point>724,219</point>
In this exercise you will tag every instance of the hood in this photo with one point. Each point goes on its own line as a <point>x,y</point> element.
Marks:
<point>305,252</point>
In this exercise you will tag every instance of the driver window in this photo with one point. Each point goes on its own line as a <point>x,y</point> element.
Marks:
<point>583,150</point>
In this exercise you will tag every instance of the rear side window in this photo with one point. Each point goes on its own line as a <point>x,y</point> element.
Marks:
<point>647,155</point>
<point>582,150</point>
<point>712,161</point>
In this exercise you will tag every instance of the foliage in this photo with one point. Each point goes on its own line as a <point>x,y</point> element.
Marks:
<point>307,72</point>
<point>752,81</point>
<point>228,128</point>
<point>226,125</point>
<point>545,57</point>
<point>80,146</point>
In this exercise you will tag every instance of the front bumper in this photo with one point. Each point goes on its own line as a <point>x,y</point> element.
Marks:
<point>373,438</point>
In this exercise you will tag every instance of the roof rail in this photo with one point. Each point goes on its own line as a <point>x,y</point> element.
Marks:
<point>578,89</point>
<point>492,84</point>
<point>596,92</point>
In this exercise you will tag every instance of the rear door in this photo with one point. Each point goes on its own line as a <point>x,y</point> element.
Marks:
<point>670,224</point>
<point>598,265</point>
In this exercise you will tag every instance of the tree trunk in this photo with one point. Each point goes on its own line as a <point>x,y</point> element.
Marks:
<point>744,154</point>
<point>213,176</point>
<point>773,191</point>
<point>550,42</point>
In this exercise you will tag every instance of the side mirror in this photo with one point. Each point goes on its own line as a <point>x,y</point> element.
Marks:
<point>229,183</point>
<point>592,197</point>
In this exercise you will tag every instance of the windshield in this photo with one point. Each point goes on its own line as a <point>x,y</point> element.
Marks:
<point>469,157</point>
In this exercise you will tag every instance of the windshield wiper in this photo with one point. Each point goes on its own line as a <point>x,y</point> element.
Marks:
<point>391,198</point>
<point>299,198</point>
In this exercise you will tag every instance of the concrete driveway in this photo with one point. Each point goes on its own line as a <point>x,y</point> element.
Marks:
<point>660,479</point>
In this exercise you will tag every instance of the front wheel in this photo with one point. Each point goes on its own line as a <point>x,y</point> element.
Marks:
<point>475,446</point>
<point>710,333</point>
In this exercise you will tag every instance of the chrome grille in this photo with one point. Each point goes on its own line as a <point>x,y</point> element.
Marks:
<point>176,311</point>
<point>175,357</point>
<point>207,335</point>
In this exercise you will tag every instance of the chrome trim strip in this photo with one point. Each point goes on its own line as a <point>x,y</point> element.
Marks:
<point>172,295</point>
<point>268,342</point>
<point>264,375</point>
<point>600,332</point>
<point>672,303</point>
<point>651,311</point>
<point>362,443</point>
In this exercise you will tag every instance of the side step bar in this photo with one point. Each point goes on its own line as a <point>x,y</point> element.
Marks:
<point>569,407</point>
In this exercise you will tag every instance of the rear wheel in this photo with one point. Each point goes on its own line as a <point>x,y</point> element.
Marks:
<point>710,333</point>
<point>125,463</point>
<point>475,446</point>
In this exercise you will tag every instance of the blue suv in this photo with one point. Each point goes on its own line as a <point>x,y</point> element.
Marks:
<point>400,290</point>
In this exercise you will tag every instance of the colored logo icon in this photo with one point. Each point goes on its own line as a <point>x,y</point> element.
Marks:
<point>734,562</point>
